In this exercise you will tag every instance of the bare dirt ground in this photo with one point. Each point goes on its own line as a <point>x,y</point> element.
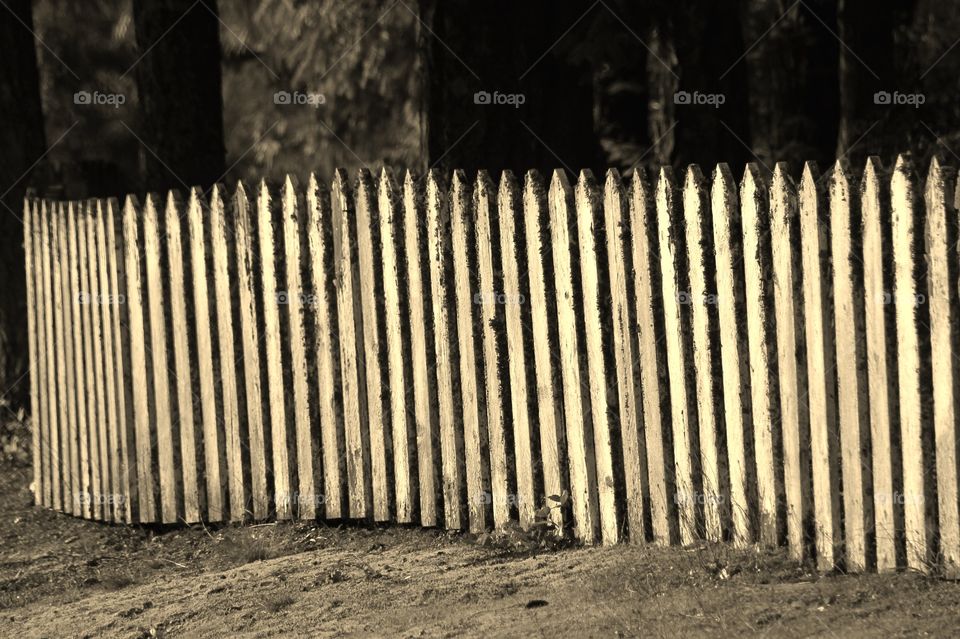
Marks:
<point>64,577</point>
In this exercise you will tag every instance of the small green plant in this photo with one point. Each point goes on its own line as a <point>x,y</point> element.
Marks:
<point>547,532</point>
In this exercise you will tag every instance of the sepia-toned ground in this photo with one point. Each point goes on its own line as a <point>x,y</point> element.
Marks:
<point>64,577</point>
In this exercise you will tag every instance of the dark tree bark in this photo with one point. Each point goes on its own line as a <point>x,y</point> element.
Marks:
<point>867,69</point>
<point>179,85</point>
<point>700,84</point>
<point>23,143</point>
<point>508,48</point>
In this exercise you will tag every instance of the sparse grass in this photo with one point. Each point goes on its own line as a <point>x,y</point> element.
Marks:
<point>117,582</point>
<point>248,549</point>
<point>275,603</point>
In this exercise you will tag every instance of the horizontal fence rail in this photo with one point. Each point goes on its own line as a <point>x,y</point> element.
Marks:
<point>660,359</point>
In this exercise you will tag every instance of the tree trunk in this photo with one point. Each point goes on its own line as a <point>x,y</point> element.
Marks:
<point>23,143</point>
<point>490,99</point>
<point>179,85</point>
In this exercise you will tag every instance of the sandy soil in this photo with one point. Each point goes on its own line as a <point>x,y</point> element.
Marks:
<point>63,577</point>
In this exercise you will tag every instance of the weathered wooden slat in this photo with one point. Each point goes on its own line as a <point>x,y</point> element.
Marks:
<point>508,212</point>
<point>424,382</point>
<point>223,276</point>
<point>250,327</point>
<point>591,235</point>
<point>80,438</point>
<point>371,298</point>
<point>653,374</point>
<point>84,353</point>
<point>941,238</point>
<point>490,315</point>
<point>96,305</point>
<point>617,226</point>
<point>880,375</point>
<point>52,407</point>
<point>34,309</point>
<point>120,318</point>
<point>907,252</point>
<point>788,298</point>
<point>107,308</point>
<point>140,384</point>
<point>163,420</point>
<point>183,373</point>
<point>851,369</point>
<point>276,392</point>
<point>761,343</point>
<point>702,299</point>
<point>824,442</point>
<point>402,435</point>
<point>474,427</point>
<point>298,305</point>
<point>683,408</point>
<point>350,321</point>
<point>548,374</point>
<point>319,239</point>
<point>66,389</point>
<point>580,449</point>
<point>441,281</point>
<point>213,475</point>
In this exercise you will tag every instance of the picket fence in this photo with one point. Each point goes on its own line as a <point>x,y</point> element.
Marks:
<point>645,361</point>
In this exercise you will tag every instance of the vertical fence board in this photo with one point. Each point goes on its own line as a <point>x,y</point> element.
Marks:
<point>250,326</point>
<point>653,375</point>
<point>351,349</point>
<point>80,438</point>
<point>760,325</point>
<point>97,305</point>
<point>590,230</point>
<point>941,238</point>
<point>378,422</point>
<point>183,374</point>
<point>212,451</point>
<point>580,450</point>
<point>276,392</point>
<point>298,305</point>
<point>907,254</point>
<point>424,386</point>
<point>34,309</point>
<point>824,453</point>
<point>441,276</point>
<point>51,318</point>
<point>109,304</point>
<point>508,212</point>
<point>474,428</point>
<point>398,350</point>
<point>222,277</point>
<point>682,391</point>
<point>490,315</point>
<point>851,374</point>
<point>82,329</point>
<point>880,374</point>
<point>328,398</point>
<point>120,317</point>
<point>788,293</point>
<point>550,407</point>
<point>66,395</point>
<point>631,420</point>
<point>162,413</point>
<point>702,299</point>
<point>136,296</point>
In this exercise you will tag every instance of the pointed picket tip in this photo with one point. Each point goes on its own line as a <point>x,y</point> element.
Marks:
<point>694,177</point>
<point>810,176</point>
<point>533,182</point>
<point>752,179</point>
<point>723,177</point>
<point>484,184</point>
<point>839,180</point>
<point>936,170</point>
<point>341,180</point>
<point>173,202</point>
<point>194,197</point>
<point>290,183</point>
<point>612,179</point>
<point>240,191</point>
<point>781,173</point>
<point>586,178</point>
<point>640,184</point>
<point>409,177</point>
<point>458,181</point>
<point>387,183</point>
<point>559,182</point>
<point>903,164</point>
<point>903,177</point>
<point>873,168</point>
<point>507,189</point>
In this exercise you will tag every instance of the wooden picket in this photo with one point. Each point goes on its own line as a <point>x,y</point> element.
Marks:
<point>647,362</point>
